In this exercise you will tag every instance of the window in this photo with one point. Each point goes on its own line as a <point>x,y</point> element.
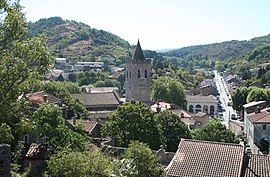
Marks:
<point>139,74</point>
<point>145,73</point>
<point>129,74</point>
<point>264,127</point>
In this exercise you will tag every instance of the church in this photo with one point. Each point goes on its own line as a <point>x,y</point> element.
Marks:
<point>138,77</point>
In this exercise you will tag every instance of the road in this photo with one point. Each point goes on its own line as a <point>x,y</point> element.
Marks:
<point>225,98</point>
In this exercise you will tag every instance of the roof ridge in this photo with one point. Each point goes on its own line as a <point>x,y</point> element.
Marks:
<point>211,142</point>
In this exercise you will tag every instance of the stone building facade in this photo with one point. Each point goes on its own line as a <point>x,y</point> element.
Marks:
<point>197,103</point>
<point>138,77</point>
<point>5,159</point>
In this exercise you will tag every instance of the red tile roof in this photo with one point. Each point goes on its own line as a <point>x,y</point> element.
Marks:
<point>204,159</point>
<point>88,125</point>
<point>257,166</point>
<point>261,117</point>
<point>38,97</point>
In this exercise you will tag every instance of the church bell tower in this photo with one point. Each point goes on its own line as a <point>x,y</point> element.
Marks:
<point>138,77</point>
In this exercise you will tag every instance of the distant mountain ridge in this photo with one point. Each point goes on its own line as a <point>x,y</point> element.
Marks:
<point>78,41</point>
<point>220,51</point>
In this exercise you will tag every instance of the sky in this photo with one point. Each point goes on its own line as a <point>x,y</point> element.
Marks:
<point>162,24</point>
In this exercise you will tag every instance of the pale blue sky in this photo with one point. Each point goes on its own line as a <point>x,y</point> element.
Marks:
<point>163,24</point>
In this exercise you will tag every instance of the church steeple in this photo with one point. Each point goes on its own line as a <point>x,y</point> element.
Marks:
<point>138,54</point>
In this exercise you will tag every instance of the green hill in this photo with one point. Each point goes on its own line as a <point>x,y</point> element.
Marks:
<point>220,51</point>
<point>78,41</point>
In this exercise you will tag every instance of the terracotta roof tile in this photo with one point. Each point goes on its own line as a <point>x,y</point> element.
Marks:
<point>262,117</point>
<point>204,159</point>
<point>257,166</point>
<point>38,97</point>
<point>93,99</point>
<point>201,99</point>
<point>88,125</point>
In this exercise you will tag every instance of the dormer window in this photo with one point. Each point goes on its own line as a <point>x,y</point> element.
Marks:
<point>139,74</point>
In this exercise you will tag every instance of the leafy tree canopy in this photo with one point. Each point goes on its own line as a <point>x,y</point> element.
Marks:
<point>169,90</point>
<point>215,131</point>
<point>23,62</point>
<point>171,130</point>
<point>146,163</point>
<point>132,121</point>
<point>88,163</point>
<point>50,126</point>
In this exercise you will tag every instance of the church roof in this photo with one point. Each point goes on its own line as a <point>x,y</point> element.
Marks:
<point>138,54</point>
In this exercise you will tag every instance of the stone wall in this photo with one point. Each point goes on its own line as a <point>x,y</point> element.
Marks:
<point>5,160</point>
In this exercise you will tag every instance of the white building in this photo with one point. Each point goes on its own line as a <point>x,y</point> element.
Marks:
<point>87,66</point>
<point>198,103</point>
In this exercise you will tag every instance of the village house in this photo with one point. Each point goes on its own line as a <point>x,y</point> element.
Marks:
<point>208,87</point>
<point>60,63</point>
<point>257,126</point>
<point>198,103</point>
<point>99,104</point>
<point>191,120</point>
<point>87,66</point>
<point>205,158</point>
<point>91,127</point>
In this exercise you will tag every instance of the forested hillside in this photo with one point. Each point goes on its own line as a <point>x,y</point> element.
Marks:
<point>78,41</point>
<point>220,51</point>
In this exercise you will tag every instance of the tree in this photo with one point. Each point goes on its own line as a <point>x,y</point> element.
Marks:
<point>23,60</point>
<point>63,90</point>
<point>257,94</point>
<point>72,77</point>
<point>214,130</point>
<point>171,130</point>
<point>132,121</point>
<point>146,163</point>
<point>169,90</point>
<point>50,126</point>
<point>80,164</point>
<point>239,97</point>
<point>5,134</point>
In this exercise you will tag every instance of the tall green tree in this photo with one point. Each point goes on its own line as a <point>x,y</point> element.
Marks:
<point>239,97</point>
<point>80,164</point>
<point>257,94</point>
<point>169,90</point>
<point>22,62</point>
<point>5,134</point>
<point>63,90</point>
<point>214,130</point>
<point>50,126</point>
<point>171,130</point>
<point>132,121</point>
<point>146,163</point>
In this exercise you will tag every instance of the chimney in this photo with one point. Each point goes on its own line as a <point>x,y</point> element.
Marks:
<point>45,98</point>
<point>257,110</point>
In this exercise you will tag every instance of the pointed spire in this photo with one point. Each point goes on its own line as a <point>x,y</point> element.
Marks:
<point>138,54</point>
